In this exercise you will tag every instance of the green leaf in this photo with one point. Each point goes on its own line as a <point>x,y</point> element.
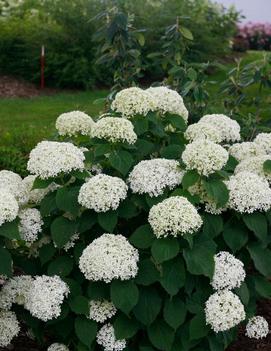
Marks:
<point>262,286</point>
<point>124,295</point>
<point>144,147</point>
<point>172,151</point>
<point>174,312</point>
<point>161,335</point>
<point>85,330</point>
<point>177,122</point>
<point>141,125</point>
<point>86,221</point>
<point>98,290</point>
<point>190,178</point>
<point>74,286</point>
<point>148,305</point>
<point>122,161</point>
<point>46,253</point>
<point>243,293</point>
<point>125,327</point>
<point>261,258</point>
<point>164,249</point>
<point>67,199</point>
<point>212,225</point>
<point>127,209</point>
<point>79,304</point>
<point>186,33</point>
<point>173,275</point>
<point>61,266</point>
<point>257,223</point>
<point>102,149</point>
<point>62,229</point>
<point>42,183</point>
<point>10,230</point>
<point>235,236</point>
<point>217,191</point>
<point>108,220</point>
<point>6,262</point>
<point>197,327</point>
<point>147,272</point>
<point>48,204</point>
<point>267,166</point>
<point>142,237</point>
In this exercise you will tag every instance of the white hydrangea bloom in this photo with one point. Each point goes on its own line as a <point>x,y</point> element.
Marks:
<point>36,195</point>
<point>12,183</point>
<point>248,193</point>
<point>133,101</point>
<point>229,272</point>
<point>15,290</point>
<point>109,257</point>
<point>229,129</point>
<point>115,129</point>
<point>57,347</point>
<point>257,328</point>
<point>71,242</point>
<point>30,224</point>
<point>45,297</point>
<point>102,193</point>
<point>203,131</point>
<point>154,176</point>
<point>204,156</point>
<point>107,339</point>
<point>9,327</point>
<point>51,158</point>
<point>264,141</point>
<point>168,100</point>
<point>224,310</point>
<point>100,311</point>
<point>247,149</point>
<point>254,165</point>
<point>8,207</point>
<point>174,216</point>
<point>73,123</point>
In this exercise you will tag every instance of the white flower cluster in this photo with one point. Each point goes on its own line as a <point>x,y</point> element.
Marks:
<point>102,193</point>
<point>245,150</point>
<point>257,328</point>
<point>168,100</point>
<point>73,123</point>
<point>229,129</point>
<point>254,165</point>
<point>9,327</point>
<point>154,176</point>
<point>51,158</point>
<point>30,224</point>
<point>229,272</point>
<point>204,156</point>
<point>57,347</point>
<point>8,207</point>
<point>224,310</point>
<point>36,195</point>
<point>12,183</point>
<point>203,131</point>
<point>107,339</point>
<point>248,193</point>
<point>264,141</point>
<point>45,297</point>
<point>115,129</point>
<point>70,244</point>
<point>109,257</point>
<point>133,101</point>
<point>174,216</point>
<point>100,311</point>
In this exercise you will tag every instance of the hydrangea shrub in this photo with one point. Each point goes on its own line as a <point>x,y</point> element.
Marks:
<point>137,232</point>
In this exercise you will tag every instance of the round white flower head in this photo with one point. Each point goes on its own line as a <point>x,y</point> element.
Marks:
<point>9,327</point>
<point>224,310</point>
<point>174,216</point>
<point>247,149</point>
<point>257,328</point>
<point>204,156</point>
<point>254,165</point>
<point>168,100</point>
<point>57,347</point>
<point>45,297</point>
<point>133,101</point>
<point>107,339</point>
<point>8,207</point>
<point>51,158</point>
<point>115,129</point>
<point>264,141</point>
<point>15,290</point>
<point>36,195</point>
<point>100,311</point>
<point>30,224</point>
<point>229,129</point>
<point>12,183</point>
<point>109,257</point>
<point>102,193</point>
<point>203,131</point>
<point>154,176</point>
<point>73,123</point>
<point>229,272</point>
<point>248,193</point>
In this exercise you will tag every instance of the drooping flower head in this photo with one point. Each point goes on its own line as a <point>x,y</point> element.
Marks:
<point>107,339</point>
<point>257,328</point>
<point>9,327</point>
<point>36,195</point>
<point>101,310</point>
<point>73,123</point>
<point>245,150</point>
<point>30,224</point>
<point>8,207</point>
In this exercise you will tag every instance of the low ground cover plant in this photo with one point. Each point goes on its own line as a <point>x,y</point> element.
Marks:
<point>137,231</point>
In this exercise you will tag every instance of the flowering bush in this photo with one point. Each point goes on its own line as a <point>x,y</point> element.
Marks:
<point>137,232</point>
<point>254,36</point>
